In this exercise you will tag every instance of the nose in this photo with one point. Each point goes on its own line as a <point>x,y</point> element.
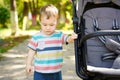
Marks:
<point>47,27</point>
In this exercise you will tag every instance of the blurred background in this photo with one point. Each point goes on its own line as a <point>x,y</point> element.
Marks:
<point>19,20</point>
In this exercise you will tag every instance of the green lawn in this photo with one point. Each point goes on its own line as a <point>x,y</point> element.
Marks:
<point>4,32</point>
<point>7,41</point>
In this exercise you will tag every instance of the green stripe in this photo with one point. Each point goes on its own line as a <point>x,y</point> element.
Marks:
<point>48,61</point>
<point>56,35</point>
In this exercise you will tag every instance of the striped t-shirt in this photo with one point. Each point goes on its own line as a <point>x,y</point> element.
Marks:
<point>49,56</point>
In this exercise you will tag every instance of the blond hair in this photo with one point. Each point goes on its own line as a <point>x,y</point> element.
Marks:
<point>49,10</point>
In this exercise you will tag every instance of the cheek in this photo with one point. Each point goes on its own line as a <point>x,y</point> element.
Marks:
<point>43,28</point>
<point>54,27</point>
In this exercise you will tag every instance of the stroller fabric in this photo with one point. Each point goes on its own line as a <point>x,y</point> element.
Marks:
<point>97,49</point>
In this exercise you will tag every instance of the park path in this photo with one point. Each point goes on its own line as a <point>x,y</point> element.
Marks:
<point>12,66</point>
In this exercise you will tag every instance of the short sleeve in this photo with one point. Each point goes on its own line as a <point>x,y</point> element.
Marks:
<point>33,43</point>
<point>64,38</point>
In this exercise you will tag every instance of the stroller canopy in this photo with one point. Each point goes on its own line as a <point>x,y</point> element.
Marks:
<point>82,3</point>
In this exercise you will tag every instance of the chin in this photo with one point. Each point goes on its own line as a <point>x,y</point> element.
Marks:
<point>48,33</point>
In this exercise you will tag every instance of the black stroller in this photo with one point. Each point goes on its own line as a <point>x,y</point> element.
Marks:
<point>97,49</point>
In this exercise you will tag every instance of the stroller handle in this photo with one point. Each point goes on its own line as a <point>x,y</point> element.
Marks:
<point>100,33</point>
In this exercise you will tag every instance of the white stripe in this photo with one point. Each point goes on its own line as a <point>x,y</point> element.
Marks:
<point>49,58</point>
<point>49,38</point>
<point>65,38</point>
<point>46,52</point>
<point>48,71</point>
<point>53,45</point>
<point>48,45</point>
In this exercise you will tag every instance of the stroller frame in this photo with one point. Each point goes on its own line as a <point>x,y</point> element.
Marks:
<point>80,44</point>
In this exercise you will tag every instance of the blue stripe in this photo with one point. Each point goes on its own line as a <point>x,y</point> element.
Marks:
<point>31,48</point>
<point>48,61</point>
<point>56,35</point>
<point>49,49</point>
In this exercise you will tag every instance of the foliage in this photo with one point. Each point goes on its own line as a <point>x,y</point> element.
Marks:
<point>63,5</point>
<point>20,6</point>
<point>4,15</point>
<point>65,9</point>
<point>5,3</point>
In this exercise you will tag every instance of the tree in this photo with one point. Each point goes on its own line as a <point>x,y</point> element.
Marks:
<point>25,14</point>
<point>33,4</point>
<point>14,17</point>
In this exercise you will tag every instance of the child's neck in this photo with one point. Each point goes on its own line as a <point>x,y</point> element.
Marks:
<point>46,34</point>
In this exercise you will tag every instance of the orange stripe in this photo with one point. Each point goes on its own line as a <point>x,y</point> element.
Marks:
<point>33,43</point>
<point>53,41</point>
<point>48,67</point>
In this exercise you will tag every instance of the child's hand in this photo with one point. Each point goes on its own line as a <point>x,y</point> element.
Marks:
<point>29,69</point>
<point>72,38</point>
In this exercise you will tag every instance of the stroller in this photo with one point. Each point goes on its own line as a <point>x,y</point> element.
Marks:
<point>97,49</point>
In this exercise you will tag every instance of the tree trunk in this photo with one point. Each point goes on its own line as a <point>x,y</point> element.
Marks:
<point>14,17</point>
<point>33,7</point>
<point>25,16</point>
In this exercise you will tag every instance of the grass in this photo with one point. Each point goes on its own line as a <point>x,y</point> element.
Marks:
<point>5,32</point>
<point>7,41</point>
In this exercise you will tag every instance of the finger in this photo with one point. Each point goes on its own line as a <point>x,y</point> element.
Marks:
<point>28,71</point>
<point>74,36</point>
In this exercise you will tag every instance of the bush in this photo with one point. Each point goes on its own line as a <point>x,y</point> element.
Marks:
<point>4,16</point>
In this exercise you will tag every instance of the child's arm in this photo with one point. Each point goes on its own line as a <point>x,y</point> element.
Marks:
<point>29,60</point>
<point>72,37</point>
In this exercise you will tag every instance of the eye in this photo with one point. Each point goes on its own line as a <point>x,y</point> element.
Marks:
<point>44,24</point>
<point>52,24</point>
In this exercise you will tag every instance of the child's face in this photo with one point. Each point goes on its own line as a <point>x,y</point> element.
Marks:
<point>48,25</point>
